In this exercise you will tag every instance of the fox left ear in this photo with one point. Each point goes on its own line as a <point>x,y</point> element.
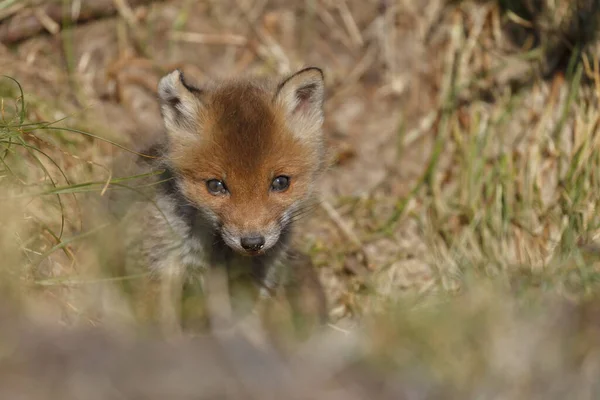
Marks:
<point>301,96</point>
<point>180,105</point>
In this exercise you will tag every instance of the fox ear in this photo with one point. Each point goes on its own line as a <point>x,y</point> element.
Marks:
<point>180,104</point>
<point>301,96</point>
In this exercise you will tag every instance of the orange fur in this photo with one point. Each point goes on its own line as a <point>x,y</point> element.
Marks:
<point>245,142</point>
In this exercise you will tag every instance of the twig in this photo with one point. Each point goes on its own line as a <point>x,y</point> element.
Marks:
<point>126,12</point>
<point>345,229</point>
<point>362,66</point>
<point>334,28</point>
<point>11,10</point>
<point>340,223</point>
<point>350,23</point>
<point>48,23</point>
<point>269,46</point>
<point>26,24</point>
<point>209,38</point>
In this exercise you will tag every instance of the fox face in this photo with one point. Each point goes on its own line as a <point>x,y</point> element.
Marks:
<point>245,154</point>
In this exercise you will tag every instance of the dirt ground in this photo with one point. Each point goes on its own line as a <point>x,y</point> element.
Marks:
<point>381,78</point>
<point>391,68</point>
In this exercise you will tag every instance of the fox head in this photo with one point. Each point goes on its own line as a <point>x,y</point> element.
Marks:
<point>245,154</point>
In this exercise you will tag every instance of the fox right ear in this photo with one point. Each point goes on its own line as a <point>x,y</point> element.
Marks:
<point>301,96</point>
<point>180,104</point>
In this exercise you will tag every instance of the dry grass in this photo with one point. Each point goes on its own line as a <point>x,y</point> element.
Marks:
<point>458,238</point>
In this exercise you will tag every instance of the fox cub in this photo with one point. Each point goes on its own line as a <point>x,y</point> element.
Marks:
<point>240,162</point>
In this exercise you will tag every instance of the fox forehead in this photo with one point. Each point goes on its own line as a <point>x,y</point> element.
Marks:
<point>244,138</point>
<point>244,141</point>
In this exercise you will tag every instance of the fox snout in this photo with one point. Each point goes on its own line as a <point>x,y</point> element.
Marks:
<point>250,243</point>
<point>253,242</point>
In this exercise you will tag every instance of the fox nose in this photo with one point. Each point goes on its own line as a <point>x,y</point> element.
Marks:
<point>252,243</point>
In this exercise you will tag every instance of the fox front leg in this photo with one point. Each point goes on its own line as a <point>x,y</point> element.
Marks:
<point>305,295</point>
<point>170,297</point>
<point>302,291</point>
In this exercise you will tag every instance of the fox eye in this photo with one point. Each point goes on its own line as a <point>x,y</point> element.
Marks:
<point>280,183</point>
<point>216,187</point>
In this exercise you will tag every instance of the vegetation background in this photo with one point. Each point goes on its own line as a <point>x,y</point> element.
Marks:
<point>457,232</point>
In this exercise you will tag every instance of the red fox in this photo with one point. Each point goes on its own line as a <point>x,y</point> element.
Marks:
<point>241,160</point>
